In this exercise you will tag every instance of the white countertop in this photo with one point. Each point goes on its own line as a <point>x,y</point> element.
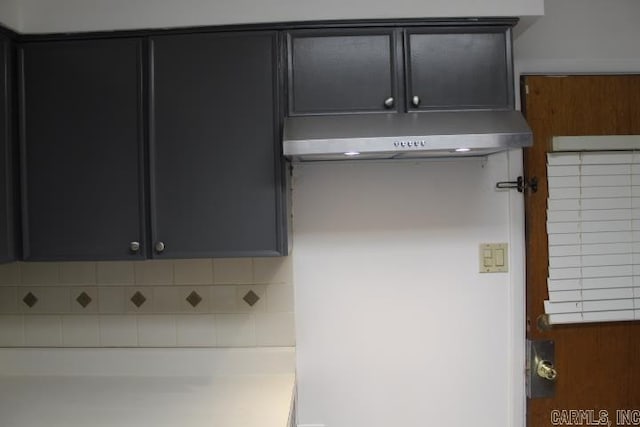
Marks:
<point>255,391</point>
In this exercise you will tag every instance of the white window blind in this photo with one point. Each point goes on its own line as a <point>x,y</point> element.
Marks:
<point>593,226</point>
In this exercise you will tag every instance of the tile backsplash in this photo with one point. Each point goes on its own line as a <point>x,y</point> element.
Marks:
<point>243,302</point>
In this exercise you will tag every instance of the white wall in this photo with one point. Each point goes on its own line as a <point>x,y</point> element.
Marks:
<point>78,15</point>
<point>582,36</point>
<point>10,13</point>
<point>395,326</point>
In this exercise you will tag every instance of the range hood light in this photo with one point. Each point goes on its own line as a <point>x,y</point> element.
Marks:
<point>462,150</point>
<point>352,153</point>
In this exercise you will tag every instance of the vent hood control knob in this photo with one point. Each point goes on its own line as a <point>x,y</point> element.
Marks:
<point>415,100</point>
<point>388,103</point>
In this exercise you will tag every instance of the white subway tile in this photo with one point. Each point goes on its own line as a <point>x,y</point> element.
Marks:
<point>273,270</point>
<point>193,272</point>
<point>9,300</point>
<point>235,330</point>
<point>78,273</point>
<point>153,272</point>
<point>242,292</point>
<point>146,306</point>
<point>118,330</point>
<point>51,300</point>
<point>40,273</point>
<point>115,272</point>
<point>279,298</point>
<point>223,299</point>
<point>157,330</point>
<point>196,330</point>
<point>275,329</point>
<point>203,306</point>
<point>76,292</point>
<point>11,331</point>
<point>43,331</point>
<point>10,274</point>
<point>111,300</point>
<point>232,271</point>
<point>166,299</point>
<point>80,331</point>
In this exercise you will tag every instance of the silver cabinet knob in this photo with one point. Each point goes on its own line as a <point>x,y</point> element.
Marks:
<point>415,100</point>
<point>389,102</point>
<point>159,246</point>
<point>134,246</point>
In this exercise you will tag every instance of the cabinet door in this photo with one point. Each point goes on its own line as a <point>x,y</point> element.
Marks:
<point>463,68</point>
<point>7,191</point>
<point>82,149</point>
<point>342,71</point>
<point>215,146</point>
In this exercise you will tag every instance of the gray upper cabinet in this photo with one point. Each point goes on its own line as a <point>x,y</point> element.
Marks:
<point>458,68</point>
<point>82,149</point>
<point>342,71</point>
<point>395,69</point>
<point>216,177</point>
<point>7,159</point>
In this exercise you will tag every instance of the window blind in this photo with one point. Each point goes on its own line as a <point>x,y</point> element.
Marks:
<point>593,227</point>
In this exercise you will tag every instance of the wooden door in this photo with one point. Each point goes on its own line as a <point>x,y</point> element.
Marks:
<point>598,364</point>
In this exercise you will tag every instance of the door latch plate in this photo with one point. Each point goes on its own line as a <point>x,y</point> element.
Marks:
<point>540,353</point>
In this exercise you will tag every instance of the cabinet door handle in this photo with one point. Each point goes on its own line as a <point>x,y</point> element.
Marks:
<point>388,103</point>
<point>159,247</point>
<point>415,100</point>
<point>134,246</point>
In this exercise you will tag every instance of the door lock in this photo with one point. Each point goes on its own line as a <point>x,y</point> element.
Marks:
<point>545,370</point>
<point>541,374</point>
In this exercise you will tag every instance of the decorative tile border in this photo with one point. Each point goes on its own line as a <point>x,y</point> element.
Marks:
<point>179,303</point>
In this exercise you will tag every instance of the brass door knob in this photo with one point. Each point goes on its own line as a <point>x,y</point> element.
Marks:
<point>545,370</point>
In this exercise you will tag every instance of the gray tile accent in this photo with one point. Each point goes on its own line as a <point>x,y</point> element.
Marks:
<point>30,299</point>
<point>194,299</point>
<point>138,299</point>
<point>84,299</point>
<point>251,298</point>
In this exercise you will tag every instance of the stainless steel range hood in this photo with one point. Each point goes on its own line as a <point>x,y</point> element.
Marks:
<point>401,136</point>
